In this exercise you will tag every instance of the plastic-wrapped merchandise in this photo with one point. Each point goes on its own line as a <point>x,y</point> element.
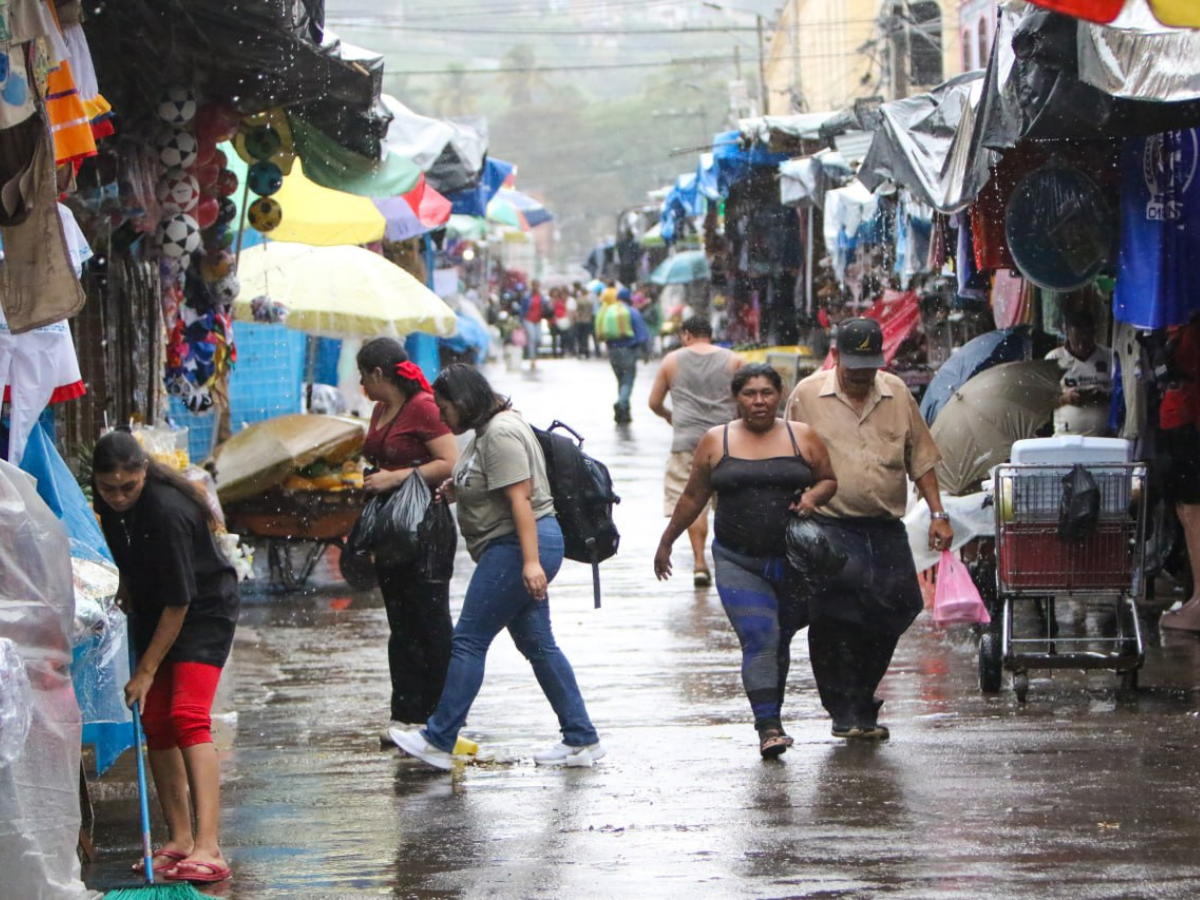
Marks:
<point>100,641</point>
<point>39,806</point>
<point>16,703</point>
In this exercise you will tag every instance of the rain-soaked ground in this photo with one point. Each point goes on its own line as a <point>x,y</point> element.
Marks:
<point>1080,793</point>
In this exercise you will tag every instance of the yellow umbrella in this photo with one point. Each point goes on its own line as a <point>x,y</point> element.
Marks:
<point>316,215</point>
<point>339,292</point>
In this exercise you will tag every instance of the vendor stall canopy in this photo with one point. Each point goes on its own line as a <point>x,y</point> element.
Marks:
<point>263,54</point>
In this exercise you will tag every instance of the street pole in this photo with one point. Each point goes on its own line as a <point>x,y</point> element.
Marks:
<point>899,54</point>
<point>762,65</point>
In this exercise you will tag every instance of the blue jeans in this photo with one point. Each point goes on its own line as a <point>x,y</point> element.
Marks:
<point>624,366</point>
<point>497,599</point>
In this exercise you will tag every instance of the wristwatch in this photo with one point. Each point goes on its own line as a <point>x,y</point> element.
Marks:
<point>940,515</point>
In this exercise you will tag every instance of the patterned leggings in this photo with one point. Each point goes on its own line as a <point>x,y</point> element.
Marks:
<point>761,596</point>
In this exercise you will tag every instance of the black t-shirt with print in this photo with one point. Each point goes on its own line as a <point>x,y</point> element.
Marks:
<point>168,557</point>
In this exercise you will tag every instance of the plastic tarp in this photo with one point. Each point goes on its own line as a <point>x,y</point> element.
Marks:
<point>898,315</point>
<point>462,162</point>
<point>916,142</point>
<point>473,202</point>
<point>1139,58</point>
<point>806,181</point>
<point>39,799</point>
<point>414,137</point>
<point>472,336</point>
<point>1033,88</point>
<point>847,210</point>
<point>733,159</point>
<point>784,132</point>
<point>331,165</point>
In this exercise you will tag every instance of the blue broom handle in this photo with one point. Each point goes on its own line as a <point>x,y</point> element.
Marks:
<point>147,852</point>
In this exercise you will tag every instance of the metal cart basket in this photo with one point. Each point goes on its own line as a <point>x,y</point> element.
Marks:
<point>1034,565</point>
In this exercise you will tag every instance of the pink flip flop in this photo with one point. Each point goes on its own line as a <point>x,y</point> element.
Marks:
<point>198,872</point>
<point>172,857</point>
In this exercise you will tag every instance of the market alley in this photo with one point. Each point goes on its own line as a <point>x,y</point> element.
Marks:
<point>1080,793</point>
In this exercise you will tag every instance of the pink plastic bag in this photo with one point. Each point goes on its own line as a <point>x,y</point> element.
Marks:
<point>956,600</point>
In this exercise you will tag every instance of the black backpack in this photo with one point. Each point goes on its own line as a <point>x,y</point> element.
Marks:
<point>583,499</point>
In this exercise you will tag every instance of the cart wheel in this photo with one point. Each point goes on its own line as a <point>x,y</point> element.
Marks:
<point>991,667</point>
<point>1021,686</point>
<point>1129,680</point>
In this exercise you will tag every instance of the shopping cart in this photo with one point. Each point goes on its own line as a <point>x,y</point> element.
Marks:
<point>1035,568</point>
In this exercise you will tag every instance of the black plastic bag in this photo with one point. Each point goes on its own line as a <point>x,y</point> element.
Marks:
<point>1079,512</point>
<point>439,541</point>
<point>396,535</point>
<point>813,552</point>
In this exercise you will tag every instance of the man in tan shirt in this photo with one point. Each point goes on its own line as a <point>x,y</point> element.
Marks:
<point>877,440</point>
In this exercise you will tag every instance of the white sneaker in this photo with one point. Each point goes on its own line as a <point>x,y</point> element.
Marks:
<point>385,736</point>
<point>566,755</point>
<point>414,744</point>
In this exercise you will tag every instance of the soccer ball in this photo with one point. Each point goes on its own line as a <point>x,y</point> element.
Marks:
<point>216,266</point>
<point>227,289</point>
<point>263,142</point>
<point>177,149</point>
<point>180,236</point>
<point>178,191</point>
<point>177,106</point>
<point>265,214</point>
<point>226,211</point>
<point>264,178</point>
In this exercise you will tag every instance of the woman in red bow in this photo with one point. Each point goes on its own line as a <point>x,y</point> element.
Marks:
<point>407,437</point>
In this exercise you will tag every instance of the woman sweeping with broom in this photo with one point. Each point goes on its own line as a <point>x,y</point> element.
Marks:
<point>182,600</point>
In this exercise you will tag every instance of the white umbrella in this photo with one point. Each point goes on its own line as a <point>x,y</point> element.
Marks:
<point>340,292</point>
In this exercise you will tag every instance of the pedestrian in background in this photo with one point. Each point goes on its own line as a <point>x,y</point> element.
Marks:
<point>763,470</point>
<point>181,596</point>
<point>532,312</point>
<point>696,376</point>
<point>582,318</point>
<point>1086,379</point>
<point>622,328</point>
<point>407,437</point>
<point>506,515</point>
<point>877,440</point>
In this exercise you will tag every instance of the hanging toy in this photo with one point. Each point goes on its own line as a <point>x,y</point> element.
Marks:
<point>226,211</point>
<point>264,178</point>
<point>177,106</point>
<point>177,149</point>
<point>263,142</point>
<point>206,211</point>
<point>227,183</point>
<point>265,214</point>
<point>180,236</point>
<point>216,266</point>
<point>227,289</point>
<point>177,191</point>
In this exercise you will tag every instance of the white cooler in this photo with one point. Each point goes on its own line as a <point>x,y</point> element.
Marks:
<point>1069,449</point>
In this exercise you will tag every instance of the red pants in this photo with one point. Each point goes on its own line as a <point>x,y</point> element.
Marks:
<point>178,708</point>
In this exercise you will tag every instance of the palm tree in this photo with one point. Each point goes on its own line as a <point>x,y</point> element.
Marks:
<point>455,96</point>
<point>518,76</point>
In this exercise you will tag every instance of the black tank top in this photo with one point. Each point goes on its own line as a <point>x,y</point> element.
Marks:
<point>753,496</point>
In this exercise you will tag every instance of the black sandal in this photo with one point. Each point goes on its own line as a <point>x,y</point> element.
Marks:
<point>772,742</point>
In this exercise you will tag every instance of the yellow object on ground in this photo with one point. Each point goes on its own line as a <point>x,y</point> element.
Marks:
<point>465,747</point>
<point>340,292</point>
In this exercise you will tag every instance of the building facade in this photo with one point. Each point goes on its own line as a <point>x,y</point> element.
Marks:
<point>825,54</point>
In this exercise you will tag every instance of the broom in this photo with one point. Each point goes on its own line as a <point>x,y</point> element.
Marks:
<point>175,890</point>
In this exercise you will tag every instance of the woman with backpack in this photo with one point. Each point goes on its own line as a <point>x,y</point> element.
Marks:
<point>506,515</point>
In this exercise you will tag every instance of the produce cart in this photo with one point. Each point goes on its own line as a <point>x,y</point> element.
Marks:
<point>295,484</point>
<point>1035,566</point>
<point>297,528</point>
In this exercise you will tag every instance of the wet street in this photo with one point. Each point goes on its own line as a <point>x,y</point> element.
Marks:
<point>1080,793</point>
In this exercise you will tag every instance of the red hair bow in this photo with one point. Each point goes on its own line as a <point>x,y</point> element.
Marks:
<point>412,372</point>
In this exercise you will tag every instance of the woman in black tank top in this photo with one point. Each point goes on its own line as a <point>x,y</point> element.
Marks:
<point>763,470</point>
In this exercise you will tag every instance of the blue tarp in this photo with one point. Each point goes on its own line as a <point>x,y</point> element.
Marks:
<point>471,336</point>
<point>733,161</point>
<point>474,201</point>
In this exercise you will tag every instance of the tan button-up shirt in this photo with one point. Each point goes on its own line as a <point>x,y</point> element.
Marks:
<point>872,452</point>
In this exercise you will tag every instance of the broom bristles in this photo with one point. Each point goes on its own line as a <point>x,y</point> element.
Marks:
<point>176,890</point>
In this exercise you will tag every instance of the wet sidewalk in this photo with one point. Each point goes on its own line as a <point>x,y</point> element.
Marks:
<point>1079,793</point>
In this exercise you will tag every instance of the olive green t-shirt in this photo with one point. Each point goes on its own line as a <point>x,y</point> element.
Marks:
<point>501,453</point>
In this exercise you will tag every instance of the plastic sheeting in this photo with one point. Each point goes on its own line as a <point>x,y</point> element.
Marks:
<point>971,517</point>
<point>473,202</point>
<point>923,143</point>
<point>807,180</point>
<point>39,798</point>
<point>1139,58</point>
